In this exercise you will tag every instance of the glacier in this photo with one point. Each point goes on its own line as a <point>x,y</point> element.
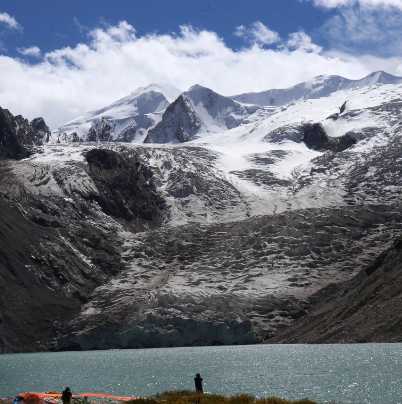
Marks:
<point>265,204</point>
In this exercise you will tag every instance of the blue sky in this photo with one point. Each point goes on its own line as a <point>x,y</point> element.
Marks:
<point>50,24</point>
<point>60,59</point>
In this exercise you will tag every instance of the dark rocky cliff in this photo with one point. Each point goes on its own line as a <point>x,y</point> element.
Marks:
<point>179,123</point>
<point>315,137</point>
<point>41,129</point>
<point>17,134</point>
<point>123,192</point>
<point>10,146</point>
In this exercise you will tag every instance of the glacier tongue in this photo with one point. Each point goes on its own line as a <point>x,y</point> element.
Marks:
<point>232,283</point>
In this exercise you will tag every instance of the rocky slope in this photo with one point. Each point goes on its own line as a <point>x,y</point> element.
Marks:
<point>44,277</point>
<point>10,147</point>
<point>366,308</point>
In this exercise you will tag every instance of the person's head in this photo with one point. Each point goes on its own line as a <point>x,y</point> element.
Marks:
<point>198,375</point>
<point>68,389</point>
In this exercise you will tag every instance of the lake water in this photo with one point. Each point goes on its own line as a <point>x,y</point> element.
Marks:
<point>366,373</point>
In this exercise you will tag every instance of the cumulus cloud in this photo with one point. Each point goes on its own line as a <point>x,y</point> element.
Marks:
<point>359,28</point>
<point>67,82</point>
<point>257,33</point>
<point>363,3</point>
<point>10,22</point>
<point>301,41</point>
<point>372,63</point>
<point>32,51</point>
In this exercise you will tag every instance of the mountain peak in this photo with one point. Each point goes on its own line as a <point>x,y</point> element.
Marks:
<point>203,95</point>
<point>129,117</point>
<point>319,86</point>
<point>198,91</point>
<point>199,112</point>
<point>170,91</point>
<point>197,87</point>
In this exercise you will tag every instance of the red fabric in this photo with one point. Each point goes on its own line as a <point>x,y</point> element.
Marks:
<point>33,398</point>
<point>41,395</point>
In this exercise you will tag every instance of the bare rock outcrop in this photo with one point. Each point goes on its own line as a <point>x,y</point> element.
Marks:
<point>128,133</point>
<point>18,135</point>
<point>178,124</point>
<point>315,137</point>
<point>41,129</point>
<point>101,131</point>
<point>123,191</point>
<point>10,145</point>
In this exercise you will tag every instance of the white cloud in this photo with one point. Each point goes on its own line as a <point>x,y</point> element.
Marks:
<point>356,29</point>
<point>257,33</point>
<point>81,28</point>
<point>363,3</point>
<point>301,41</point>
<point>32,51</point>
<point>371,63</point>
<point>241,31</point>
<point>70,81</point>
<point>10,22</point>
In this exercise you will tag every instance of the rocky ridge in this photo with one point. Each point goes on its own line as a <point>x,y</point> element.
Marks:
<point>179,123</point>
<point>320,86</point>
<point>199,112</point>
<point>125,120</point>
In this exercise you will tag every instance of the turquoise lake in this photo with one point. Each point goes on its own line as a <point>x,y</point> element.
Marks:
<point>361,373</point>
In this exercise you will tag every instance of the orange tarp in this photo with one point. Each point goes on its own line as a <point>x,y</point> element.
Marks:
<point>33,399</point>
<point>50,395</point>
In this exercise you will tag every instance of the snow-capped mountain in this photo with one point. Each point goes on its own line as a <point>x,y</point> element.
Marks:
<point>320,86</point>
<point>200,112</point>
<point>219,233</point>
<point>160,113</point>
<point>125,120</point>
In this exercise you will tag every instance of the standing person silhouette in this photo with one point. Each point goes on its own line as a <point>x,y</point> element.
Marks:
<point>198,383</point>
<point>66,396</point>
